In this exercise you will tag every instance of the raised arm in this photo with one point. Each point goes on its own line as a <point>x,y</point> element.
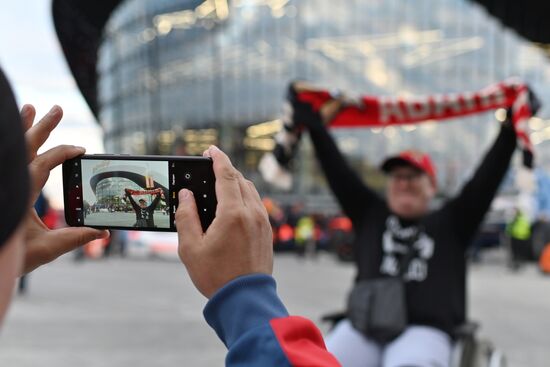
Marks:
<point>132,201</point>
<point>470,206</point>
<point>155,201</point>
<point>350,191</point>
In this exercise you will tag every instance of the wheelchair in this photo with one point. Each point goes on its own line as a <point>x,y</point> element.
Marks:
<point>471,351</point>
<point>468,350</point>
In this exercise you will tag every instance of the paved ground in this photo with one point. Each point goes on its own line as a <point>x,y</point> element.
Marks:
<point>138,313</point>
<point>123,219</point>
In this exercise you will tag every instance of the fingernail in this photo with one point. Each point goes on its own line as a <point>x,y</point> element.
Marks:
<point>82,149</point>
<point>184,194</point>
<point>213,150</point>
<point>55,109</point>
<point>206,153</point>
<point>102,234</point>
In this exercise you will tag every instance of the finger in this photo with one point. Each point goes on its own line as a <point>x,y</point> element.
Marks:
<point>68,239</point>
<point>330,109</point>
<point>28,113</point>
<point>250,196</point>
<point>59,242</point>
<point>39,133</point>
<point>41,166</point>
<point>256,200</point>
<point>228,190</point>
<point>255,195</point>
<point>55,156</point>
<point>188,223</point>
<point>243,188</point>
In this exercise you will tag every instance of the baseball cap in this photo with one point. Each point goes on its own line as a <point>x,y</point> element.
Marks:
<point>14,179</point>
<point>414,158</point>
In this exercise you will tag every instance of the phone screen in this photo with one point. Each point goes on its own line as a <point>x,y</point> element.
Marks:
<point>135,193</point>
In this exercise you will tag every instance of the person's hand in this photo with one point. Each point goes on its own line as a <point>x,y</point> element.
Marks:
<point>303,114</point>
<point>42,244</point>
<point>239,240</point>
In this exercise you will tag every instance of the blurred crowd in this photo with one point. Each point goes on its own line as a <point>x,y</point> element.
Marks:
<point>306,233</point>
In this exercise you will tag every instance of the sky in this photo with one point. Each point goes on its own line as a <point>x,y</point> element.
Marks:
<point>34,63</point>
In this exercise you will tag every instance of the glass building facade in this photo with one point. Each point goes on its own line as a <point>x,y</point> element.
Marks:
<point>190,73</point>
<point>110,191</point>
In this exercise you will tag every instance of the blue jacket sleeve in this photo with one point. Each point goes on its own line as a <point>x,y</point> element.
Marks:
<point>253,323</point>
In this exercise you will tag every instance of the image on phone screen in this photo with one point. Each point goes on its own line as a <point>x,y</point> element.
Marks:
<point>125,193</point>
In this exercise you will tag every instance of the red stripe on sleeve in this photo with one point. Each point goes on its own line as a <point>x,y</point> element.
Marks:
<point>302,342</point>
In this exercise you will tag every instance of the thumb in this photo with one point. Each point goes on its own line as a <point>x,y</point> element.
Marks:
<point>187,222</point>
<point>330,109</point>
<point>59,242</point>
<point>68,239</point>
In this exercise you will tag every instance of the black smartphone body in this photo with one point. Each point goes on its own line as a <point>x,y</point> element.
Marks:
<point>135,192</point>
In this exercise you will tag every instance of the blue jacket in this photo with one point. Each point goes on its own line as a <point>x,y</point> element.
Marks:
<point>254,325</point>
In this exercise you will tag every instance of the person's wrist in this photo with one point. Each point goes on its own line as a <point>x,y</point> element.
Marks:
<point>305,117</point>
<point>508,125</point>
<point>242,304</point>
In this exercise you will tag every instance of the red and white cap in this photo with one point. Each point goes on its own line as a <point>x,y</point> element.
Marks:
<point>414,158</point>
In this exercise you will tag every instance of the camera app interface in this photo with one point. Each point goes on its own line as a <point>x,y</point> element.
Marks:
<point>133,194</point>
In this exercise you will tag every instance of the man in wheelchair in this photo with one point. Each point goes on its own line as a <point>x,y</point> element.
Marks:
<point>409,294</point>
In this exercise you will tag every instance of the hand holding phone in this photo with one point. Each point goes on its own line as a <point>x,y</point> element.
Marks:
<point>135,192</point>
<point>43,245</point>
<point>238,242</point>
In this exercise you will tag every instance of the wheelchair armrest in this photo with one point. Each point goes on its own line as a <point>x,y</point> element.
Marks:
<point>466,330</point>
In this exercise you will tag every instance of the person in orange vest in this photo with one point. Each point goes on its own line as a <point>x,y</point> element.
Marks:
<point>544,260</point>
<point>285,236</point>
<point>341,237</point>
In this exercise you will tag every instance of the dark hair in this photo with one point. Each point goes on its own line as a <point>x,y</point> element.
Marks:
<point>13,163</point>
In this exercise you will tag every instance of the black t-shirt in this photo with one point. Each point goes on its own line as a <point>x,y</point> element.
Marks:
<point>436,275</point>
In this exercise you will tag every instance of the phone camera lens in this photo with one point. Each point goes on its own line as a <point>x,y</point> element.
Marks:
<point>187,176</point>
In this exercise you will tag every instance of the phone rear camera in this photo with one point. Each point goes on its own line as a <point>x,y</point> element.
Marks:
<point>187,176</point>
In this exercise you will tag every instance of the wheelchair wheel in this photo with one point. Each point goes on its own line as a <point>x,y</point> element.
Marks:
<point>488,356</point>
<point>471,352</point>
<point>497,359</point>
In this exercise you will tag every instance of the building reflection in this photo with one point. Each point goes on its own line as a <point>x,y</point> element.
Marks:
<point>176,76</point>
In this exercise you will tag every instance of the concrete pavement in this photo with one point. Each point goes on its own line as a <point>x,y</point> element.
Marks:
<point>115,313</point>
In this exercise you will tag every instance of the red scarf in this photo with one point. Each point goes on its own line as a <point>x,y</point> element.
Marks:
<point>145,192</point>
<point>371,111</point>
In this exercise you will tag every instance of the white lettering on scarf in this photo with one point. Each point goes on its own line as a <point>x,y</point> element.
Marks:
<point>390,107</point>
<point>396,110</point>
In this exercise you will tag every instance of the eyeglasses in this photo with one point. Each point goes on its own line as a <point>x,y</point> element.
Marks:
<point>408,177</point>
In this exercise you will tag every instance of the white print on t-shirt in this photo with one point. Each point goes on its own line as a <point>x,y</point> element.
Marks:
<point>423,248</point>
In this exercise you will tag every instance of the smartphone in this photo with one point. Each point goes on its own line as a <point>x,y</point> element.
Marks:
<point>135,192</point>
